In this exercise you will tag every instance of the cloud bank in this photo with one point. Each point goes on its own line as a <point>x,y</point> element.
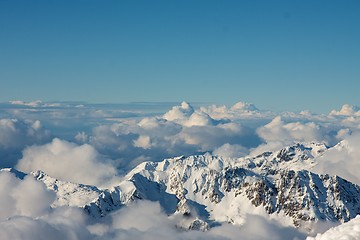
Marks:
<point>92,144</point>
<point>346,231</point>
<point>67,161</point>
<point>342,160</point>
<point>16,134</point>
<point>180,131</point>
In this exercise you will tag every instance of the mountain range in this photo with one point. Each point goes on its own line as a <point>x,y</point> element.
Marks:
<point>206,190</point>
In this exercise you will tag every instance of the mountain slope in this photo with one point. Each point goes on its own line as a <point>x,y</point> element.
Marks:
<point>68,194</point>
<point>206,190</point>
<point>217,190</point>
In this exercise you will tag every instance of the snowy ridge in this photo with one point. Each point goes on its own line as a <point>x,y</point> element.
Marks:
<point>203,186</point>
<point>68,194</point>
<point>206,190</point>
<point>296,157</point>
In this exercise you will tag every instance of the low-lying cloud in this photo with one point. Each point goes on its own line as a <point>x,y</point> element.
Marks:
<point>16,134</point>
<point>180,131</point>
<point>113,141</point>
<point>342,160</point>
<point>23,197</point>
<point>146,220</point>
<point>346,231</point>
<point>67,161</point>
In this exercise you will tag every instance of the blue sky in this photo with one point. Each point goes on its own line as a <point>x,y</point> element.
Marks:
<point>279,55</point>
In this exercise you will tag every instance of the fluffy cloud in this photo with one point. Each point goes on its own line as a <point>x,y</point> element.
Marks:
<point>143,142</point>
<point>67,161</point>
<point>146,220</point>
<point>36,103</point>
<point>26,228</point>
<point>23,197</point>
<point>278,134</point>
<point>129,140</point>
<point>346,231</point>
<point>26,213</point>
<point>142,220</point>
<point>208,138</point>
<point>15,135</point>
<point>347,110</point>
<point>133,217</point>
<point>289,132</point>
<point>343,159</point>
<point>184,130</point>
<point>231,151</point>
<point>259,228</point>
<point>348,116</point>
<point>179,113</point>
<point>240,110</point>
<point>181,131</point>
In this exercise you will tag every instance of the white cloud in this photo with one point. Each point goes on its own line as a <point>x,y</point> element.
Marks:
<point>289,132</point>
<point>199,119</point>
<point>23,197</point>
<point>81,137</point>
<point>146,220</point>
<point>182,131</point>
<point>240,110</point>
<point>67,161</point>
<point>259,228</point>
<point>243,106</point>
<point>345,231</point>
<point>342,160</point>
<point>143,142</point>
<point>143,216</point>
<point>15,135</point>
<point>278,134</point>
<point>37,103</point>
<point>26,213</point>
<point>207,138</point>
<point>347,110</point>
<point>231,151</point>
<point>179,113</point>
<point>55,226</point>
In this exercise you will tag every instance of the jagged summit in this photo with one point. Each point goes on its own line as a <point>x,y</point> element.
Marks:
<point>211,188</point>
<point>297,157</point>
<point>207,189</point>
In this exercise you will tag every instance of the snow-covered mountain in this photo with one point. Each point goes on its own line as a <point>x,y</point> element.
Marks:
<point>206,190</point>
<point>68,194</point>
<point>214,189</point>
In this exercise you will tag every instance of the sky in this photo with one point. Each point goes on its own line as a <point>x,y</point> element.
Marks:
<point>279,55</point>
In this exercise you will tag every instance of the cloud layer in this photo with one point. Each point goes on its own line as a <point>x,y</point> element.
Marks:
<point>16,134</point>
<point>67,161</point>
<point>93,144</point>
<point>346,231</point>
<point>23,197</point>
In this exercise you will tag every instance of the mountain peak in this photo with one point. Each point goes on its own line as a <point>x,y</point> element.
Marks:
<point>207,189</point>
